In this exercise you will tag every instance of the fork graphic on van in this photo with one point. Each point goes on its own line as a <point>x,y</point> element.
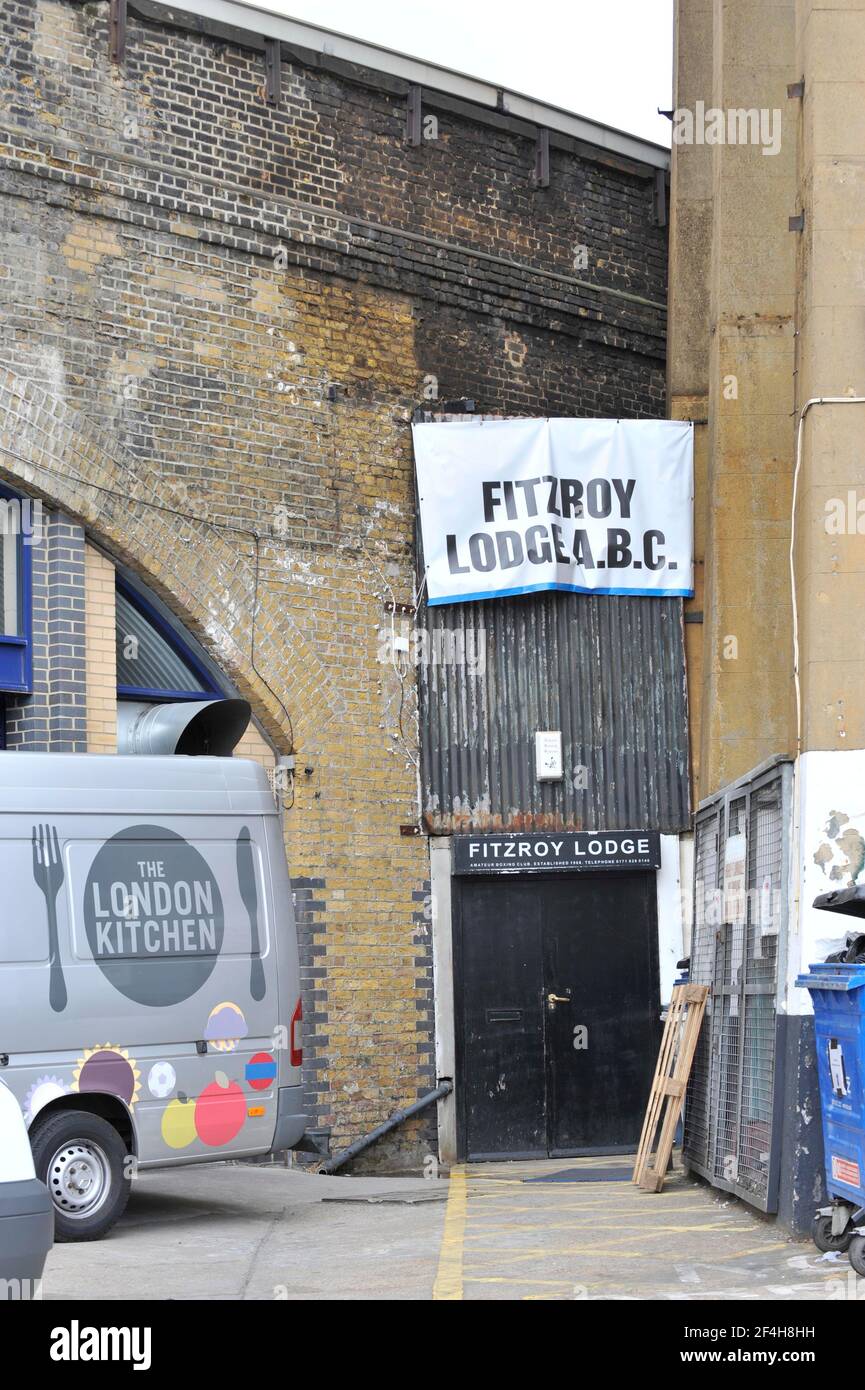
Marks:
<point>48,873</point>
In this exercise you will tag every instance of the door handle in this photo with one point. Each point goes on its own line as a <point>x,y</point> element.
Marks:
<point>553,999</point>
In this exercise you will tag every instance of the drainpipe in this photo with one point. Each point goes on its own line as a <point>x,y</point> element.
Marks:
<point>443,1089</point>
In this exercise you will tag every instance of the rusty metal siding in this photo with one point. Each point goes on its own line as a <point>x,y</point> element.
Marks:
<point>609,672</point>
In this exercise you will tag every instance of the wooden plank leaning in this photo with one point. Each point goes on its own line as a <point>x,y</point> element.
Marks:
<point>666,1098</point>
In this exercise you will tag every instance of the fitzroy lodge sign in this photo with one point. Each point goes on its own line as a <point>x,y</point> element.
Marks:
<point>586,506</point>
<point>567,851</point>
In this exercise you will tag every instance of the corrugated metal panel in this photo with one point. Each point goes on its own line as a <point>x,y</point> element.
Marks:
<point>609,672</point>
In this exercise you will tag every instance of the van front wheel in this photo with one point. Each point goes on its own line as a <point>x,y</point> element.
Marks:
<point>82,1161</point>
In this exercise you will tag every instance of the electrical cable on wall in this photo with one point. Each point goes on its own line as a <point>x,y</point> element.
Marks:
<point>401,674</point>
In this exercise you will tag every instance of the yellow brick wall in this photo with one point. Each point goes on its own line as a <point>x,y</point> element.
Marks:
<point>99,630</point>
<point>254,746</point>
<point>231,316</point>
<point>359,885</point>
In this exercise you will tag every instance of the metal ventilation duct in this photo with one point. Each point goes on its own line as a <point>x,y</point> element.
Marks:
<point>192,727</point>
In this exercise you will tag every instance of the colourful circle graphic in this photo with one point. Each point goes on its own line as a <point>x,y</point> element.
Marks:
<point>153,915</point>
<point>161,1080</point>
<point>178,1123</point>
<point>108,1069</point>
<point>261,1071</point>
<point>225,1026</point>
<point>43,1090</point>
<point>220,1112</point>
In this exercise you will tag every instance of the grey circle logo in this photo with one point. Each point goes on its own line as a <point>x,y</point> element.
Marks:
<point>153,915</point>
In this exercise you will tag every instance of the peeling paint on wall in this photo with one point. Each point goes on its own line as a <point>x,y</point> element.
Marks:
<point>832,854</point>
<point>841,856</point>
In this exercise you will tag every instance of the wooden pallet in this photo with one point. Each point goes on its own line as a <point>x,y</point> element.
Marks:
<point>667,1096</point>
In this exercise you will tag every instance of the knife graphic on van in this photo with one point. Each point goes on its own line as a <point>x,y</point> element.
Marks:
<point>249,894</point>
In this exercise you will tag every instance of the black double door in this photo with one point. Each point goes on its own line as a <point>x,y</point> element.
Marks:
<point>557,1013</point>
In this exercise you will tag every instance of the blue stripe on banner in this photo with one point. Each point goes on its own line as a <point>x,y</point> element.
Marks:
<point>561,588</point>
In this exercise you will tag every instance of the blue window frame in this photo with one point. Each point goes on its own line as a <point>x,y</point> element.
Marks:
<point>153,661</point>
<point>17,537</point>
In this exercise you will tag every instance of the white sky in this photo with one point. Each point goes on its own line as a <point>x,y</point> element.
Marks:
<point>607,59</point>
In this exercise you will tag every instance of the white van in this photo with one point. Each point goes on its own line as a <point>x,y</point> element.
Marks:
<point>26,1220</point>
<point>149,984</point>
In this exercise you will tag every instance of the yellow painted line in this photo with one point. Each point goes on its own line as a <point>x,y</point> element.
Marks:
<point>517,1254</point>
<point>566,1193</point>
<point>493,1185</point>
<point>484,1233</point>
<point>603,1213</point>
<point>613,1249</point>
<point>599,1213</point>
<point>488,1177</point>
<point>636,1212</point>
<point>449,1277</point>
<point>531,1203</point>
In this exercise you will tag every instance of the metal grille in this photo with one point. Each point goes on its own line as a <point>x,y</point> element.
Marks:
<point>739,917</point>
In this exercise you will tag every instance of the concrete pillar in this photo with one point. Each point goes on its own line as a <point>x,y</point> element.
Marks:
<point>747,691</point>
<point>829,551</point>
<point>689,329</point>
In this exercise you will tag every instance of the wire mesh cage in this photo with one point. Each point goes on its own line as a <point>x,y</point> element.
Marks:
<point>739,921</point>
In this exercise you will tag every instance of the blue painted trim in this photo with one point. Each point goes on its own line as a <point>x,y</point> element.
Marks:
<point>135,692</point>
<point>142,692</point>
<point>16,675</point>
<point>560,588</point>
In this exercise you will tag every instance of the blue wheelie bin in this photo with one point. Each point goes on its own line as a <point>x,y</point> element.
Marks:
<point>837,989</point>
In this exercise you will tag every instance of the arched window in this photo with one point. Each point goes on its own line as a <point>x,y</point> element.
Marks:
<point>154,662</point>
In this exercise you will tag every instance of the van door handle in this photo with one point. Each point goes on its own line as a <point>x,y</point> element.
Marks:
<point>553,999</point>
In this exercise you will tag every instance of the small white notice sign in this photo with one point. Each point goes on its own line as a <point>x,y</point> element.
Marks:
<point>548,755</point>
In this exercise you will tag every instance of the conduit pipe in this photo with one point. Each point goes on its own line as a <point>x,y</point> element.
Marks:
<point>443,1089</point>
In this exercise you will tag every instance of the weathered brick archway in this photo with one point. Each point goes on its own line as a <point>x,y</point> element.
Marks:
<point>203,571</point>
<point>358,886</point>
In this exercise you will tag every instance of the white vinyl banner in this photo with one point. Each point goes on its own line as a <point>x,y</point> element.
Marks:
<point>588,506</point>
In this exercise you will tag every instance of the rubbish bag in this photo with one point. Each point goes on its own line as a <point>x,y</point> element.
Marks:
<point>853,953</point>
<point>849,902</point>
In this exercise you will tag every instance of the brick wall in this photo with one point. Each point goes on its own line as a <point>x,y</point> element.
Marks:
<point>101,652</point>
<point>218,318</point>
<point>254,746</point>
<point>54,717</point>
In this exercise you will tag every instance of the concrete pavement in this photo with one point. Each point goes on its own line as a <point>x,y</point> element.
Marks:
<point>510,1234</point>
<point>242,1232</point>
<point>495,1231</point>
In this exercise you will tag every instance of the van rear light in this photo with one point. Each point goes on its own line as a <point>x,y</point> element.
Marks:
<point>295,1044</point>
